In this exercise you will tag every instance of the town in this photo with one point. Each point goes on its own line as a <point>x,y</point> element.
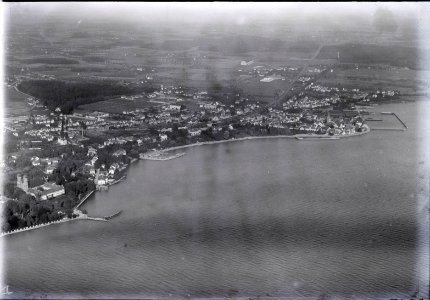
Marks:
<point>85,115</point>
<point>215,150</point>
<point>95,148</point>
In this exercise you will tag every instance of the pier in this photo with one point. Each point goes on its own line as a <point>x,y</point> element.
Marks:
<point>117,181</point>
<point>84,199</point>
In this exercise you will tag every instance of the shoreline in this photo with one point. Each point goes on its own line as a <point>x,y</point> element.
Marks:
<point>81,216</point>
<point>118,180</point>
<point>295,136</point>
<point>86,217</point>
<point>64,220</point>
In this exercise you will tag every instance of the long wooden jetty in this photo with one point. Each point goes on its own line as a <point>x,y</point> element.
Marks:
<point>84,199</point>
<point>118,180</point>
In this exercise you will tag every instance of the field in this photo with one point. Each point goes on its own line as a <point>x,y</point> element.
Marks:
<point>15,102</point>
<point>118,105</point>
<point>50,60</point>
<point>264,91</point>
<point>209,59</point>
<point>404,80</point>
<point>372,54</point>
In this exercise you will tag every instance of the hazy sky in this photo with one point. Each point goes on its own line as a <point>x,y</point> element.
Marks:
<point>206,12</point>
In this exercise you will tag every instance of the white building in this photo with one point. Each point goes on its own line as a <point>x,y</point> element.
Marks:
<point>62,141</point>
<point>102,180</point>
<point>174,107</point>
<point>195,132</point>
<point>47,191</point>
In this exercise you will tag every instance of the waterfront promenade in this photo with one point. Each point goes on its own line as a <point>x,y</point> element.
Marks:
<point>79,216</point>
<point>64,220</point>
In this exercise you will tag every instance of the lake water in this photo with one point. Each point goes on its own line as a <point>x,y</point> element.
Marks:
<point>273,217</point>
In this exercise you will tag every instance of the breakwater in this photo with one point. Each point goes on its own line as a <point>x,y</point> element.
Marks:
<point>397,117</point>
<point>313,137</point>
<point>400,120</point>
<point>390,129</point>
<point>113,216</point>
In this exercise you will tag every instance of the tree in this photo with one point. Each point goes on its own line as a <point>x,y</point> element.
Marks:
<point>8,189</point>
<point>6,227</point>
<point>23,162</point>
<point>35,177</point>
<point>153,130</point>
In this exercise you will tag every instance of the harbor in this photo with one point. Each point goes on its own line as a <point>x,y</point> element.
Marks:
<point>160,156</point>
<point>315,137</point>
<point>397,117</point>
<point>388,113</point>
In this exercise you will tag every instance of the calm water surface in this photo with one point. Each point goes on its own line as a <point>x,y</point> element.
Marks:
<point>275,217</point>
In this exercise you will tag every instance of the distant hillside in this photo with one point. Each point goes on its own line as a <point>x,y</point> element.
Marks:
<point>50,60</point>
<point>372,54</point>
